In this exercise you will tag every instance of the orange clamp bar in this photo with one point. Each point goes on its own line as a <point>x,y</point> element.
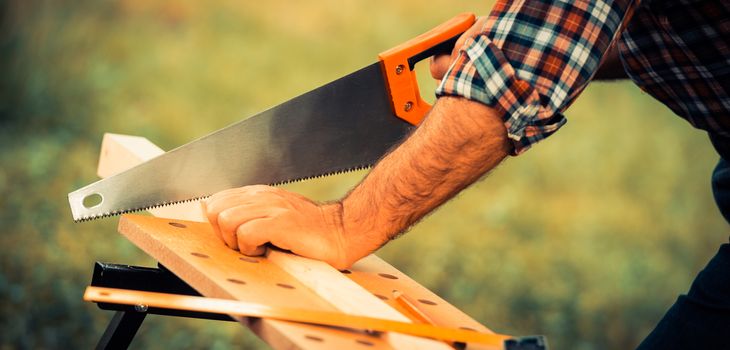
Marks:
<point>401,79</point>
<point>322,318</point>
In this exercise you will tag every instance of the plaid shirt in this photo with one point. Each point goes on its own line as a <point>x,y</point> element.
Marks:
<point>534,57</point>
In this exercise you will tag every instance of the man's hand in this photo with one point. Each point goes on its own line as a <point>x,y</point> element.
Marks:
<point>247,218</point>
<point>611,67</point>
<point>441,63</point>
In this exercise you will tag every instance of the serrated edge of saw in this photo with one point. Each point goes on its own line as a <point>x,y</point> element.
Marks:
<point>164,204</point>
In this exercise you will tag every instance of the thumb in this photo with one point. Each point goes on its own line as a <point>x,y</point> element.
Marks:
<point>439,65</point>
<point>213,223</point>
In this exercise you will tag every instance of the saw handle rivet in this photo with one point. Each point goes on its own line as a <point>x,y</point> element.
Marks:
<point>399,69</point>
<point>408,106</point>
<point>177,224</point>
<point>140,308</point>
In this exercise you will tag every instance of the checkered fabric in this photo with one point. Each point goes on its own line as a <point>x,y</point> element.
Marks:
<point>679,52</point>
<point>534,57</point>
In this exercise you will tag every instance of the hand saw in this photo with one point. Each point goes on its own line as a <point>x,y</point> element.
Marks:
<point>322,318</point>
<point>345,125</point>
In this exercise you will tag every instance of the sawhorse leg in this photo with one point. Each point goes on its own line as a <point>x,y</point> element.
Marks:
<point>121,330</point>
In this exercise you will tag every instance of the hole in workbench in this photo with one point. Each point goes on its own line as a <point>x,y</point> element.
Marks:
<point>92,200</point>
<point>388,276</point>
<point>381,297</point>
<point>236,281</point>
<point>285,286</point>
<point>365,342</point>
<point>249,259</point>
<point>314,338</point>
<point>177,224</point>
<point>200,255</point>
<point>427,302</point>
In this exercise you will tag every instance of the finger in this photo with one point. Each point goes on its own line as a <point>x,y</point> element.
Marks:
<point>439,65</point>
<point>245,190</point>
<point>238,196</point>
<point>204,208</point>
<point>233,197</point>
<point>253,236</point>
<point>229,238</point>
<point>230,219</point>
<point>222,201</point>
<point>213,210</point>
<point>473,31</point>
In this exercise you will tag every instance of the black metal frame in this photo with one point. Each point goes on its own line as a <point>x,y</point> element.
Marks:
<point>126,321</point>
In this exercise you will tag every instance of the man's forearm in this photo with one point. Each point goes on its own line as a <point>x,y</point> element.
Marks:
<point>458,142</point>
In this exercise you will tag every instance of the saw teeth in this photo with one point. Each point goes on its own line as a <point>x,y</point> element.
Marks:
<point>132,210</point>
<point>164,204</point>
<point>318,176</point>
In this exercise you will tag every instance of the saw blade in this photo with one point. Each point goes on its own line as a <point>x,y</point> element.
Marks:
<point>345,125</point>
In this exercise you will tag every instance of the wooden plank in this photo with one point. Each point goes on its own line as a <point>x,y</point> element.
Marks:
<point>193,252</point>
<point>116,157</point>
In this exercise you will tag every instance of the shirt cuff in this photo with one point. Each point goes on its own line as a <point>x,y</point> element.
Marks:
<point>518,103</point>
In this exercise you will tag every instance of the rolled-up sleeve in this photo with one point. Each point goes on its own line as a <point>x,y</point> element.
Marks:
<point>532,58</point>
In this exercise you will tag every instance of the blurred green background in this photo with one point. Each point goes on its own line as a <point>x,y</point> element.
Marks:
<point>587,238</point>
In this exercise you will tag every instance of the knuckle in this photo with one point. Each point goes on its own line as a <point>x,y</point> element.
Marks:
<point>227,220</point>
<point>339,265</point>
<point>259,188</point>
<point>224,217</point>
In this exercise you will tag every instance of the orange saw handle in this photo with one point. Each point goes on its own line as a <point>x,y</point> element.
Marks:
<point>399,61</point>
